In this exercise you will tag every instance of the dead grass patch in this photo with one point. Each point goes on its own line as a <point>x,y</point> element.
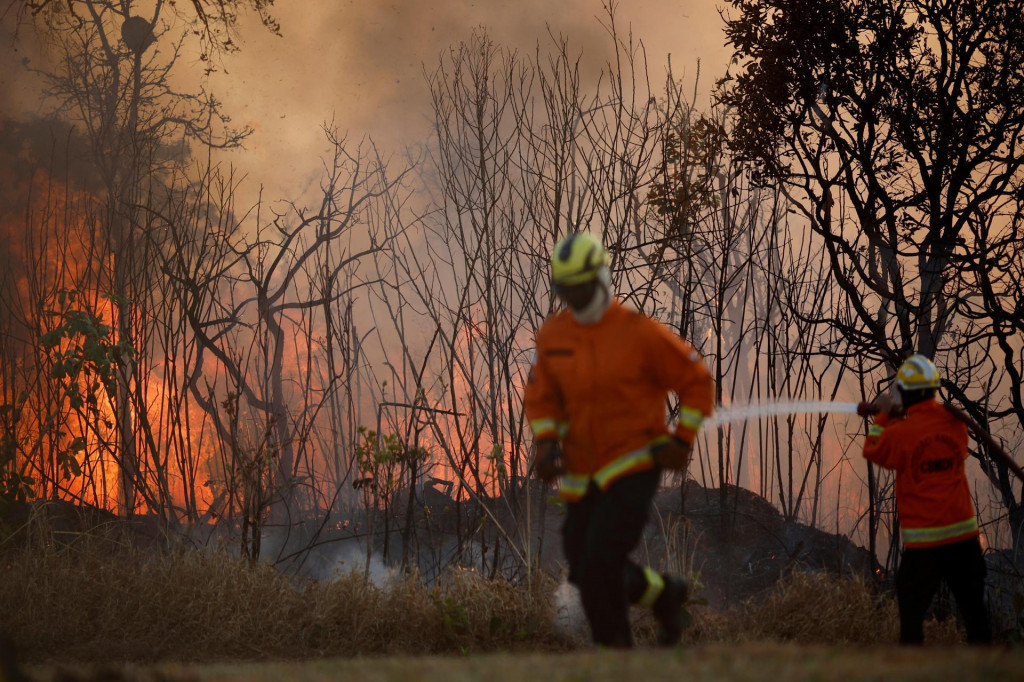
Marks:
<point>816,608</point>
<point>82,604</point>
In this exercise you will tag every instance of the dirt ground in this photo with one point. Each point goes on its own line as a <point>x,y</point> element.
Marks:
<point>760,662</point>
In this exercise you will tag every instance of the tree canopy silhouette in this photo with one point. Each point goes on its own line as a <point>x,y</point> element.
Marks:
<point>896,128</point>
<point>218,18</point>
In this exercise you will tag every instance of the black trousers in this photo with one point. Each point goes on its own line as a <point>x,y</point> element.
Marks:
<point>962,566</point>
<point>599,533</point>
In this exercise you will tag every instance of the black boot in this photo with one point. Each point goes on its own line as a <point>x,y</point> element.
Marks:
<point>668,610</point>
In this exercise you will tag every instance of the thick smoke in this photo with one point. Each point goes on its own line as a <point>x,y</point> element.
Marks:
<point>21,58</point>
<point>361,65</point>
<point>375,52</point>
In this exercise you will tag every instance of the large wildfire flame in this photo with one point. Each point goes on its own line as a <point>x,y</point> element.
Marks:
<point>61,449</point>
<point>72,452</point>
<point>53,266</point>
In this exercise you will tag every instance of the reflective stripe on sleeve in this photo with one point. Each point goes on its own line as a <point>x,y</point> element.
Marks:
<point>544,427</point>
<point>937,534</point>
<point>574,486</point>
<point>875,430</point>
<point>660,440</point>
<point>690,418</point>
<point>655,586</point>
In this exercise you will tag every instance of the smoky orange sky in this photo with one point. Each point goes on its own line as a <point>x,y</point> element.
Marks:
<point>361,63</point>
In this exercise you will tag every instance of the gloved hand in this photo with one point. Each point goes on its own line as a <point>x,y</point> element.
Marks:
<point>886,402</point>
<point>547,462</point>
<point>673,454</point>
<point>866,408</point>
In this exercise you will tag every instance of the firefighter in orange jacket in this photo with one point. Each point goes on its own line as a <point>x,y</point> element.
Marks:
<point>596,402</point>
<point>927,447</point>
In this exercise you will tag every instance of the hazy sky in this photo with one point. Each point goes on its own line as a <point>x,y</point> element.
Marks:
<point>361,63</point>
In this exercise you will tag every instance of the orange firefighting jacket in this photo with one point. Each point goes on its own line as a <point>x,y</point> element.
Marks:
<point>927,449</point>
<point>602,389</point>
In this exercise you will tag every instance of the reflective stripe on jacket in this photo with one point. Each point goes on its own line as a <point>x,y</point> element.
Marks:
<point>574,486</point>
<point>602,390</point>
<point>927,449</point>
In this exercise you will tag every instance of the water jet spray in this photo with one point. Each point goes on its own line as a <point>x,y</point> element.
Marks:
<point>738,413</point>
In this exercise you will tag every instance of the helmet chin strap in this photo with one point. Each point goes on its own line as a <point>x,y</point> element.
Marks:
<point>599,302</point>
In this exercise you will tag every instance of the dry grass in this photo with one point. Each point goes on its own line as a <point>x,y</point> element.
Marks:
<point>83,605</point>
<point>91,604</point>
<point>816,608</point>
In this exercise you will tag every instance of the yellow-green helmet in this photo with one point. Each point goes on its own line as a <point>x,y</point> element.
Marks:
<point>918,372</point>
<point>577,259</point>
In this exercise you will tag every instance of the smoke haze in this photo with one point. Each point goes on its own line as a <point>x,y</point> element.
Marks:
<point>361,64</point>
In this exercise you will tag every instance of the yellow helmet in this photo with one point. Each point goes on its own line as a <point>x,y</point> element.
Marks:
<point>918,372</point>
<point>577,259</point>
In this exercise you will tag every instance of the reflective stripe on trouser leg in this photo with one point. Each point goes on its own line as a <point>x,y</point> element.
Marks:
<point>655,586</point>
